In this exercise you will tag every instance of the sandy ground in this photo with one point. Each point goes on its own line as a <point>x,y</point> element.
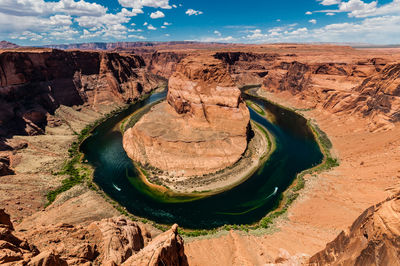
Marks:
<point>24,195</point>
<point>368,173</point>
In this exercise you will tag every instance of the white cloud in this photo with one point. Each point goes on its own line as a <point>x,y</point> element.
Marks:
<point>157,14</point>
<point>167,24</point>
<point>361,9</point>
<point>313,21</point>
<point>218,39</point>
<point>255,34</point>
<point>278,20</point>
<point>139,4</point>
<point>330,14</point>
<point>174,6</point>
<point>378,30</point>
<point>151,27</point>
<point>167,35</point>
<point>192,12</point>
<point>42,8</point>
<point>137,37</point>
<point>135,30</point>
<point>124,16</point>
<point>308,13</point>
<point>145,24</point>
<point>329,2</point>
<point>217,33</point>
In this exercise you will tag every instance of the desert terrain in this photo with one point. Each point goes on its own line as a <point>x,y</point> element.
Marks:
<point>351,94</point>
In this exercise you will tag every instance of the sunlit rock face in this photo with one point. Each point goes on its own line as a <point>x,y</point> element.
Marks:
<point>200,129</point>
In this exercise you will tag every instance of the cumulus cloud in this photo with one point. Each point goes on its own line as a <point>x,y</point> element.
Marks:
<point>157,14</point>
<point>217,33</point>
<point>330,2</point>
<point>361,9</point>
<point>192,12</point>
<point>139,4</point>
<point>151,27</point>
<point>227,39</point>
<point>42,8</point>
<point>124,16</point>
<point>167,24</point>
<point>308,13</point>
<point>313,21</point>
<point>140,37</point>
<point>378,30</point>
<point>62,20</point>
<point>255,34</point>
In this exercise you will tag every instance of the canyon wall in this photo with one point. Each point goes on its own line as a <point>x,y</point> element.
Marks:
<point>34,84</point>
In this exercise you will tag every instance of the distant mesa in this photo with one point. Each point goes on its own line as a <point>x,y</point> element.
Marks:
<point>200,129</point>
<point>8,45</point>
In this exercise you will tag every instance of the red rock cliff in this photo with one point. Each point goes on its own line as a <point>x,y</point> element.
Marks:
<point>34,84</point>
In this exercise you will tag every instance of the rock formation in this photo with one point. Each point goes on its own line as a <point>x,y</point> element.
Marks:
<point>5,166</point>
<point>202,128</point>
<point>119,239</point>
<point>111,241</point>
<point>373,239</point>
<point>165,249</point>
<point>13,249</point>
<point>34,84</point>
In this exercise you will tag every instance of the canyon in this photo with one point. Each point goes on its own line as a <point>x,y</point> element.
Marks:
<point>47,95</point>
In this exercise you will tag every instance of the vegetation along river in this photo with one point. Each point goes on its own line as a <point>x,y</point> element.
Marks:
<point>295,151</point>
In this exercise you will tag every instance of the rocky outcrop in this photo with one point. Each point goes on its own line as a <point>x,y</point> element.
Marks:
<point>373,239</point>
<point>5,166</point>
<point>111,241</point>
<point>34,84</point>
<point>13,249</point>
<point>165,249</point>
<point>202,128</point>
<point>118,239</point>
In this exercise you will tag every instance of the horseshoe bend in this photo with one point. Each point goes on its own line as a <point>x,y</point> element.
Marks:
<point>203,126</point>
<point>283,154</point>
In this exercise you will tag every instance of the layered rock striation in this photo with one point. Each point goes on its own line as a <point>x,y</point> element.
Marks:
<point>34,84</point>
<point>201,128</point>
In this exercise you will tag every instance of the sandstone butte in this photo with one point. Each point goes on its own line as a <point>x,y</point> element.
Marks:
<point>200,129</point>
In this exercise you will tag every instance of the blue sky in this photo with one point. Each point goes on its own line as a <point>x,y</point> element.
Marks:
<point>37,22</point>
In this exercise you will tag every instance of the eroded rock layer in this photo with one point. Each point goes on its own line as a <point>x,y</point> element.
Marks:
<point>373,239</point>
<point>35,84</point>
<point>202,128</point>
<point>112,241</point>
